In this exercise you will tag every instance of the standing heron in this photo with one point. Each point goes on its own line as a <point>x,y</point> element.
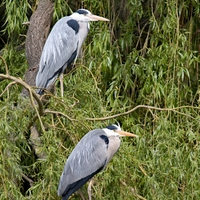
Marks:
<point>62,47</point>
<point>90,156</point>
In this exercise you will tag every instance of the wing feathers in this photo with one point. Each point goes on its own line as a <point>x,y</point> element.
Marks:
<point>78,184</point>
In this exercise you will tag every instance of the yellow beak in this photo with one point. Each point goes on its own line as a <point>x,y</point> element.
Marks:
<point>97,18</point>
<point>124,133</point>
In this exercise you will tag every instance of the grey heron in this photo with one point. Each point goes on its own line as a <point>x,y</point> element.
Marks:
<point>62,47</point>
<point>90,156</point>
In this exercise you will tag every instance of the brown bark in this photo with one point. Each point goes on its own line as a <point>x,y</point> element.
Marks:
<point>36,36</point>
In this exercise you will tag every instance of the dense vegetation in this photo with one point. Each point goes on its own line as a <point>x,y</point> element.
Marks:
<point>141,69</point>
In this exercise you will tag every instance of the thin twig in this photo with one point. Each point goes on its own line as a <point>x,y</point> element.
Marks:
<point>38,113</point>
<point>5,64</point>
<point>128,112</point>
<point>144,106</point>
<point>89,190</point>
<point>28,179</point>
<point>142,169</point>
<point>81,194</point>
<point>26,23</point>
<point>7,87</point>
<point>59,113</point>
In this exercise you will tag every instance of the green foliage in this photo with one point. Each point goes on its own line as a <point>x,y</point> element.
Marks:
<point>148,54</point>
<point>15,15</point>
<point>60,11</point>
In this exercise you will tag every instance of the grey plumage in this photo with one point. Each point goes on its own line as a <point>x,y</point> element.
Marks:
<point>63,46</point>
<point>91,155</point>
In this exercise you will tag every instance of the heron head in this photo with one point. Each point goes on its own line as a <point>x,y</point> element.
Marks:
<point>86,15</point>
<point>116,130</point>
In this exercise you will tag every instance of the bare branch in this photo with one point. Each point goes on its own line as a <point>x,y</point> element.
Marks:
<point>128,112</point>
<point>59,113</point>
<point>31,91</point>
<point>5,64</point>
<point>145,106</point>
<point>7,87</point>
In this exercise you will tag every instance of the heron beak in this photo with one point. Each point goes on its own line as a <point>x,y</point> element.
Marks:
<point>97,18</point>
<point>124,133</point>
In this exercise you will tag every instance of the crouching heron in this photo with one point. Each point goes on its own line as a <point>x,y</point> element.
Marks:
<point>62,47</point>
<point>90,156</point>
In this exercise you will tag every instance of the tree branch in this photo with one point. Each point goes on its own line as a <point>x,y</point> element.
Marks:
<point>127,112</point>
<point>6,66</point>
<point>31,91</point>
<point>59,113</point>
<point>144,106</point>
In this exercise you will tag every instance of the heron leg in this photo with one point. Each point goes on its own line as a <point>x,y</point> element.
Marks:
<point>61,85</point>
<point>90,189</point>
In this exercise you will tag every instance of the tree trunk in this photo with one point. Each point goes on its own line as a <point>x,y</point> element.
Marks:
<point>36,36</point>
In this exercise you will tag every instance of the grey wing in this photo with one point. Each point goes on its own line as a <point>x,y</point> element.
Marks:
<point>88,158</point>
<point>59,51</point>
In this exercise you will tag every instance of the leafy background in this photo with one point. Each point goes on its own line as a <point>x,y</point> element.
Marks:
<point>141,69</point>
